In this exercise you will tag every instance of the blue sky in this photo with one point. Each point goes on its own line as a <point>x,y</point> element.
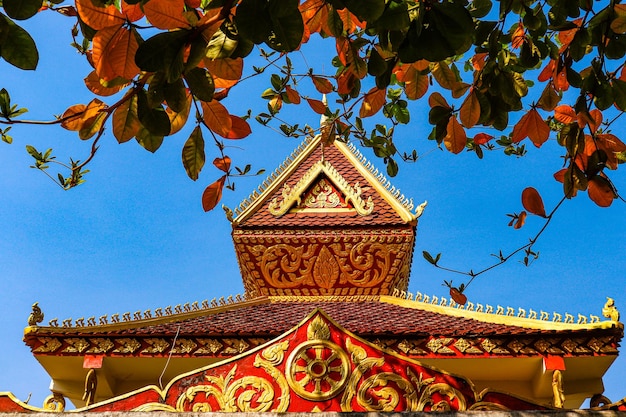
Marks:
<point>134,236</point>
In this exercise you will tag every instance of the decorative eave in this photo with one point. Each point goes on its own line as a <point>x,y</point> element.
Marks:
<point>402,205</point>
<point>519,317</point>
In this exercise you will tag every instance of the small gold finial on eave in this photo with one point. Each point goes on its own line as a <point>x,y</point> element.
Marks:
<point>609,310</point>
<point>36,316</point>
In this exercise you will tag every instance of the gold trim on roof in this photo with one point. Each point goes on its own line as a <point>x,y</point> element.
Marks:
<point>404,206</point>
<point>502,315</point>
<point>149,317</point>
<point>292,195</point>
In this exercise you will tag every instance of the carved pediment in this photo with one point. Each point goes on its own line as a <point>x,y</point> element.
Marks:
<point>321,188</point>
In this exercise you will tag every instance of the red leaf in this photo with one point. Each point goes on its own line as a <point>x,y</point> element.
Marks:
<point>373,101</point>
<point>482,138</point>
<point>292,95</point>
<point>322,84</point>
<point>531,200</point>
<point>521,219</point>
<point>317,106</point>
<point>436,99</point>
<point>240,128</point>
<point>565,114</point>
<point>222,164</point>
<point>213,194</point>
<point>600,191</point>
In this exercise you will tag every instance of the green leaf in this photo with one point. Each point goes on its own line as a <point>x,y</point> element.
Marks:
<point>17,47</point>
<point>619,93</point>
<point>287,25</point>
<point>395,17</point>
<point>193,153</point>
<point>149,141</point>
<point>430,258</point>
<point>21,9</point>
<point>200,83</point>
<point>153,119</point>
<point>392,167</point>
<point>163,52</point>
<point>5,103</point>
<point>176,95</point>
<point>253,20</point>
<point>220,46</point>
<point>366,10</point>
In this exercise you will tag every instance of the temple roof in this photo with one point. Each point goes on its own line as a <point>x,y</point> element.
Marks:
<point>370,317</point>
<point>340,164</point>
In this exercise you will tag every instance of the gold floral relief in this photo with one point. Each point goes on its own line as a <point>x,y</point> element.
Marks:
<point>362,264</point>
<point>250,393</point>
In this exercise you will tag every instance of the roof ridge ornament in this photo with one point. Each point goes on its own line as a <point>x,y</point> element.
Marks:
<point>292,195</point>
<point>609,311</point>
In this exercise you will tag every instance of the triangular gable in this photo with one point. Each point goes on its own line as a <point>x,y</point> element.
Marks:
<point>321,180</point>
<point>316,366</point>
<point>348,171</point>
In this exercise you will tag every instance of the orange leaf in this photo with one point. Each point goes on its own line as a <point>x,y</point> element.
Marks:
<point>178,120</point>
<point>132,12</point>
<point>213,194</point>
<point>216,117</point>
<point>531,200</point>
<point>348,53</point>
<point>533,126</point>
<point>73,115</point>
<point>415,83</point>
<point>317,106</point>
<point>226,72</point>
<point>470,110</point>
<point>479,61</point>
<point>314,12</point>
<point>292,95</point>
<point>84,115</point>
<point>547,72</point>
<point>346,82</point>
<point>94,84</point>
<point>126,123</point>
<point>565,114</point>
<point>240,128</point>
<point>436,99</point>
<point>521,219</point>
<point>222,164</point>
<point>482,138</point>
<point>610,144</point>
<point>455,139</point>
<point>518,36</point>
<point>114,51</point>
<point>596,116</point>
<point>600,191</point>
<point>538,130</point>
<point>99,17</point>
<point>567,36</point>
<point>373,101</point>
<point>166,14</point>
<point>322,84</point>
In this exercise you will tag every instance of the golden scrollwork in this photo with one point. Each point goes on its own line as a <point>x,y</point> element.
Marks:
<point>231,395</point>
<point>447,395</point>
<point>246,394</point>
<point>48,344</point>
<point>54,402</point>
<point>362,264</point>
<point>323,195</point>
<point>376,393</point>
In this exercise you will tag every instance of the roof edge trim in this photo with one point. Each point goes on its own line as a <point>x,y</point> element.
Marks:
<point>497,318</point>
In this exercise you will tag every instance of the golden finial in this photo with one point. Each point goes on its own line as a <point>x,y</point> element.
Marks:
<point>36,316</point>
<point>609,310</point>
